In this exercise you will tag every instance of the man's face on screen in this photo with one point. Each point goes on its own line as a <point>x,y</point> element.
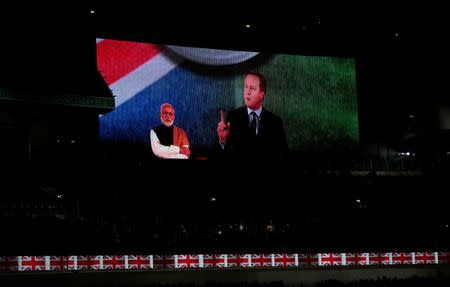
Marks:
<point>253,96</point>
<point>167,116</point>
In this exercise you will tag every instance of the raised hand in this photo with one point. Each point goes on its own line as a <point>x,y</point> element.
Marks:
<point>223,129</point>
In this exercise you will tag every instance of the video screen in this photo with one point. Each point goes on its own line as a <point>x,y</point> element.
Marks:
<point>315,97</point>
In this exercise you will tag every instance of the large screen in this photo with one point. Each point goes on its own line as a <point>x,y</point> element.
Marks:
<point>315,96</point>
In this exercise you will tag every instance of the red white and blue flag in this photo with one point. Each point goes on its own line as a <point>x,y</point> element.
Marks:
<point>357,259</point>
<point>139,262</point>
<point>214,260</point>
<point>191,261</point>
<point>262,260</point>
<point>285,260</point>
<point>164,261</point>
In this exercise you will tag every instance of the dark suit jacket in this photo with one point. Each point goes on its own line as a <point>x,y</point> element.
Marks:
<point>270,143</point>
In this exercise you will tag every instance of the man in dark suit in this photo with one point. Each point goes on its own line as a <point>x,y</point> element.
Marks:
<point>252,132</point>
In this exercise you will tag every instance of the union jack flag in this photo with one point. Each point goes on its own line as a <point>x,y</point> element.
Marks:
<point>285,260</point>
<point>13,263</point>
<point>357,258</point>
<point>188,261</point>
<point>140,262</point>
<point>444,257</point>
<point>32,263</point>
<point>164,261</point>
<point>114,262</point>
<point>380,258</point>
<point>308,259</point>
<point>78,262</point>
<point>327,259</point>
<point>214,260</point>
<point>402,258</point>
<point>4,263</point>
<point>239,260</point>
<point>57,263</point>
<point>96,262</point>
<point>426,258</point>
<point>261,260</point>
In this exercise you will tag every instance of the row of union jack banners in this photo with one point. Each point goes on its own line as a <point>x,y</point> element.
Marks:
<point>191,261</point>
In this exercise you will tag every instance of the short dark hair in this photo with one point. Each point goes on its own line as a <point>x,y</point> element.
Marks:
<point>262,80</point>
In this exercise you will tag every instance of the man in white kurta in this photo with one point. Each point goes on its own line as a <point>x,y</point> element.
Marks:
<point>168,140</point>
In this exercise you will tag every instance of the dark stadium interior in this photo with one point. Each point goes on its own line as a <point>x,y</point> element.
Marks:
<point>63,191</point>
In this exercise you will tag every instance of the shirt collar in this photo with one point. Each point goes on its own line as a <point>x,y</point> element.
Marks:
<point>258,111</point>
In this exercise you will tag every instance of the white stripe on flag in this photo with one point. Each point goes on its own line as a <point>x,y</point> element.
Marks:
<point>413,257</point>
<point>225,260</point>
<point>389,254</point>
<point>126,261</point>
<point>272,259</point>
<point>344,259</point>
<point>200,261</point>
<point>47,262</point>
<point>249,261</point>
<point>320,259</point>
<point>367,259</point>
<point>145,75</point>
<point>296,259</point>
<point>75,262</point>
<point>19,263</point>
<point>436,257</point>
<point>175,259</point>
<point>100,259</point>
<point>150,259</point>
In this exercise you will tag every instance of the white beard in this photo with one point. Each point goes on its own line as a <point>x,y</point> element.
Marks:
<point>167,124</point>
